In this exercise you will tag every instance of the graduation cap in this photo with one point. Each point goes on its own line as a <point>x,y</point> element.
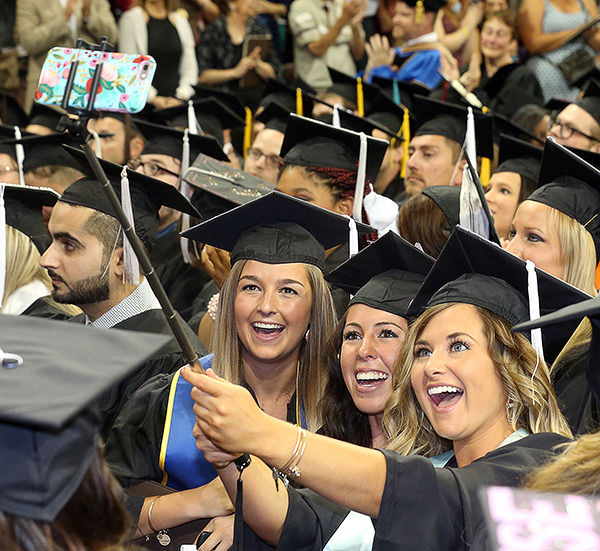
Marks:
<point>274,116</point>
<point>23,206</point>
<point>401,92</point>
<point>556,104</point>
<point>7,133</point>
<point>48,117</point>
<point>147,196</point>
<point>426,5</point>
<point>169,141</point>
<point>447,198</point>
<point>219,187</point>
<point>590,102</point>
<point>473,270</point>
<point>385,275</point>
<point>572,186</point>
<point>503,125</point>
<point>439,118</point>
<point>212,115</point>
<point>276,229</point>
<point>228,99</point>
<point>46,151</point>
<point>571,316</point>
<point>312,143</point>
<point>520,157</point>
<point>286,95</point>
<point>356,91</point>
<point>48,429</point>
<point>11,111</point>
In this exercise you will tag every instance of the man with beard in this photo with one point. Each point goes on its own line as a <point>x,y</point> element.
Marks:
<point>90,267</point>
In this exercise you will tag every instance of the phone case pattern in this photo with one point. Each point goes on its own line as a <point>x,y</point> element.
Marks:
<point>124,82</point>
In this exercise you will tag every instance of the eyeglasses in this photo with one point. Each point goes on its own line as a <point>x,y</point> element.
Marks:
<point>150,168</point>
<point>565,131</point>
<point>273,161</point>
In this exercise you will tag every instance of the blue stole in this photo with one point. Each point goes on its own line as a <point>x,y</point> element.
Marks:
<point>422,67</point>
<point>183,464</point>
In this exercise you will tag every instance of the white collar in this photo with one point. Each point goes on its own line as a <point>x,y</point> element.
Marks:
<point>22,298</point>
<point>423,39</point>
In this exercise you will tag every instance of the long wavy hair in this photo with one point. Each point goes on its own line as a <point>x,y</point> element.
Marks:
<point>526,382</point>
<point>341,418</point>
<point>227,346</point>
<point>94,519</point>
<point>575,471</point>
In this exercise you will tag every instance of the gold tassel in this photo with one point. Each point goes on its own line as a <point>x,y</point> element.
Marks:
<point>360,98</point>
<point>406,136</point>
<point>299,103</point>
<point>485,172</point>
<point>420,10</point>
<point>597,278</point>
<point>247,131</point>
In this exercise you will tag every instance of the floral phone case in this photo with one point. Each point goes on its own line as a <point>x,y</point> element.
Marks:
<point>124,83</point>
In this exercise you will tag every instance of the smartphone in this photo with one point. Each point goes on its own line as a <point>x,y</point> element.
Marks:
<point>125,81</point>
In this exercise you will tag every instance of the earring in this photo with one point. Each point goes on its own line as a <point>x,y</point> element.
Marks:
<point>509,408</point>
<point>307,334</point>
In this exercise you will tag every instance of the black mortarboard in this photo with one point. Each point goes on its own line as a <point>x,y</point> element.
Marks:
<point>147,196</point>
<point>274,116</point>
<point>472,270</point>
<point>572,186</point>
<point>276,229</point>
<point>449,120</point>
<point>388,114</point>
<point>521,157</point>
<point>7,133</point>
<point>590,102</point>
<point>285,95</point>
<point>46,151</point>
<point>429,5</point>
<point>48,433</point>
<point>400,91</point>
<point>504,125</point>
<point>219,187</point>
<point>228,99</point>
<point>11,111</point>
<point>555,105</point>
<point>121,117</point>
<point>385,275</point>
<point>24,211</point>
<point>169,141</point>
<point>42,115</point>
<point>313,143</point>
<point>346,86</point>
<point>447,198</point>
<point>353,122</point>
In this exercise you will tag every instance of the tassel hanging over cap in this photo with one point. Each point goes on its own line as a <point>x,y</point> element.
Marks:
<point>359,190</point>
<point>247,131</point>
<point>20,155</point>
<point>360,97</point>
<point>2,245</point>
<point>186,191</point>
<point>131,273</point>
<point>406,142</point>
<point>299,102</point>
<point>192,122</point>
<point>419,12</point>
<point>335,118</point>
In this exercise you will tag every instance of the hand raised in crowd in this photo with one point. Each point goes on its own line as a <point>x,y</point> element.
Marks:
<point>379,52</point>
<point>449,66</point>
<point>592,37</point>
<point>221,537</point>
<point>226,415</point>
<point>216,263</point>
<point>70,9</point>
<point>474,15</point>
<point>358,18</point>
<point>273,8</point>
<point>351,10</point>
<point>248,63</point>
<point>86,6</point>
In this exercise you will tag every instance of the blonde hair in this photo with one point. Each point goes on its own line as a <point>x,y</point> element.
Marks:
<point>226,344</point>
<point>575,471</point>
<point>578,253</point>
<point>23,266</point>
<point>529,390</point>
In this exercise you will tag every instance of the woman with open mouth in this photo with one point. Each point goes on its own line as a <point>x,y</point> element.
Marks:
<point>274,315</point>
<point>382,279</point>
<point>471,398</point>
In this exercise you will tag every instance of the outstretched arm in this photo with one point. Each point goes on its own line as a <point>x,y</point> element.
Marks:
<point>349,475</point>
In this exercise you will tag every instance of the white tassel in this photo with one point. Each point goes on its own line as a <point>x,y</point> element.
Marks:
<point>2,245</point>
<point>132,266</point>
<point>534,313</point>
<point>186,191</point>
<point>352,237</point>
<point>359,190</point>
<point>335,119</point>
<point>382,212</point>
<point>20,154</point>
<point>472,214</point>
<point>191,116</point>
<point>97,144</point>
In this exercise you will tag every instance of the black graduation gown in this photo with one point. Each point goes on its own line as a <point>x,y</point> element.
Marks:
<point>168,360</point>
<point>181,282</point>
<point>44,307</point>
<point>422,507</point>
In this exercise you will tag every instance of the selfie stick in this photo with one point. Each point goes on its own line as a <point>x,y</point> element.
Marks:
<point>77,127</point>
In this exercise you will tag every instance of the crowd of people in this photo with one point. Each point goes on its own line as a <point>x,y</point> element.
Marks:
<point>378,226</point>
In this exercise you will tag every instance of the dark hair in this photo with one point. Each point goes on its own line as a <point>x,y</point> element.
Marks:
<point>528,186</point>
<point>105,228</point>
<point>94,519</point>
<point>341,418</point>
<point>508,17</point>
<point>529,116</point>
<point>420,220</point>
